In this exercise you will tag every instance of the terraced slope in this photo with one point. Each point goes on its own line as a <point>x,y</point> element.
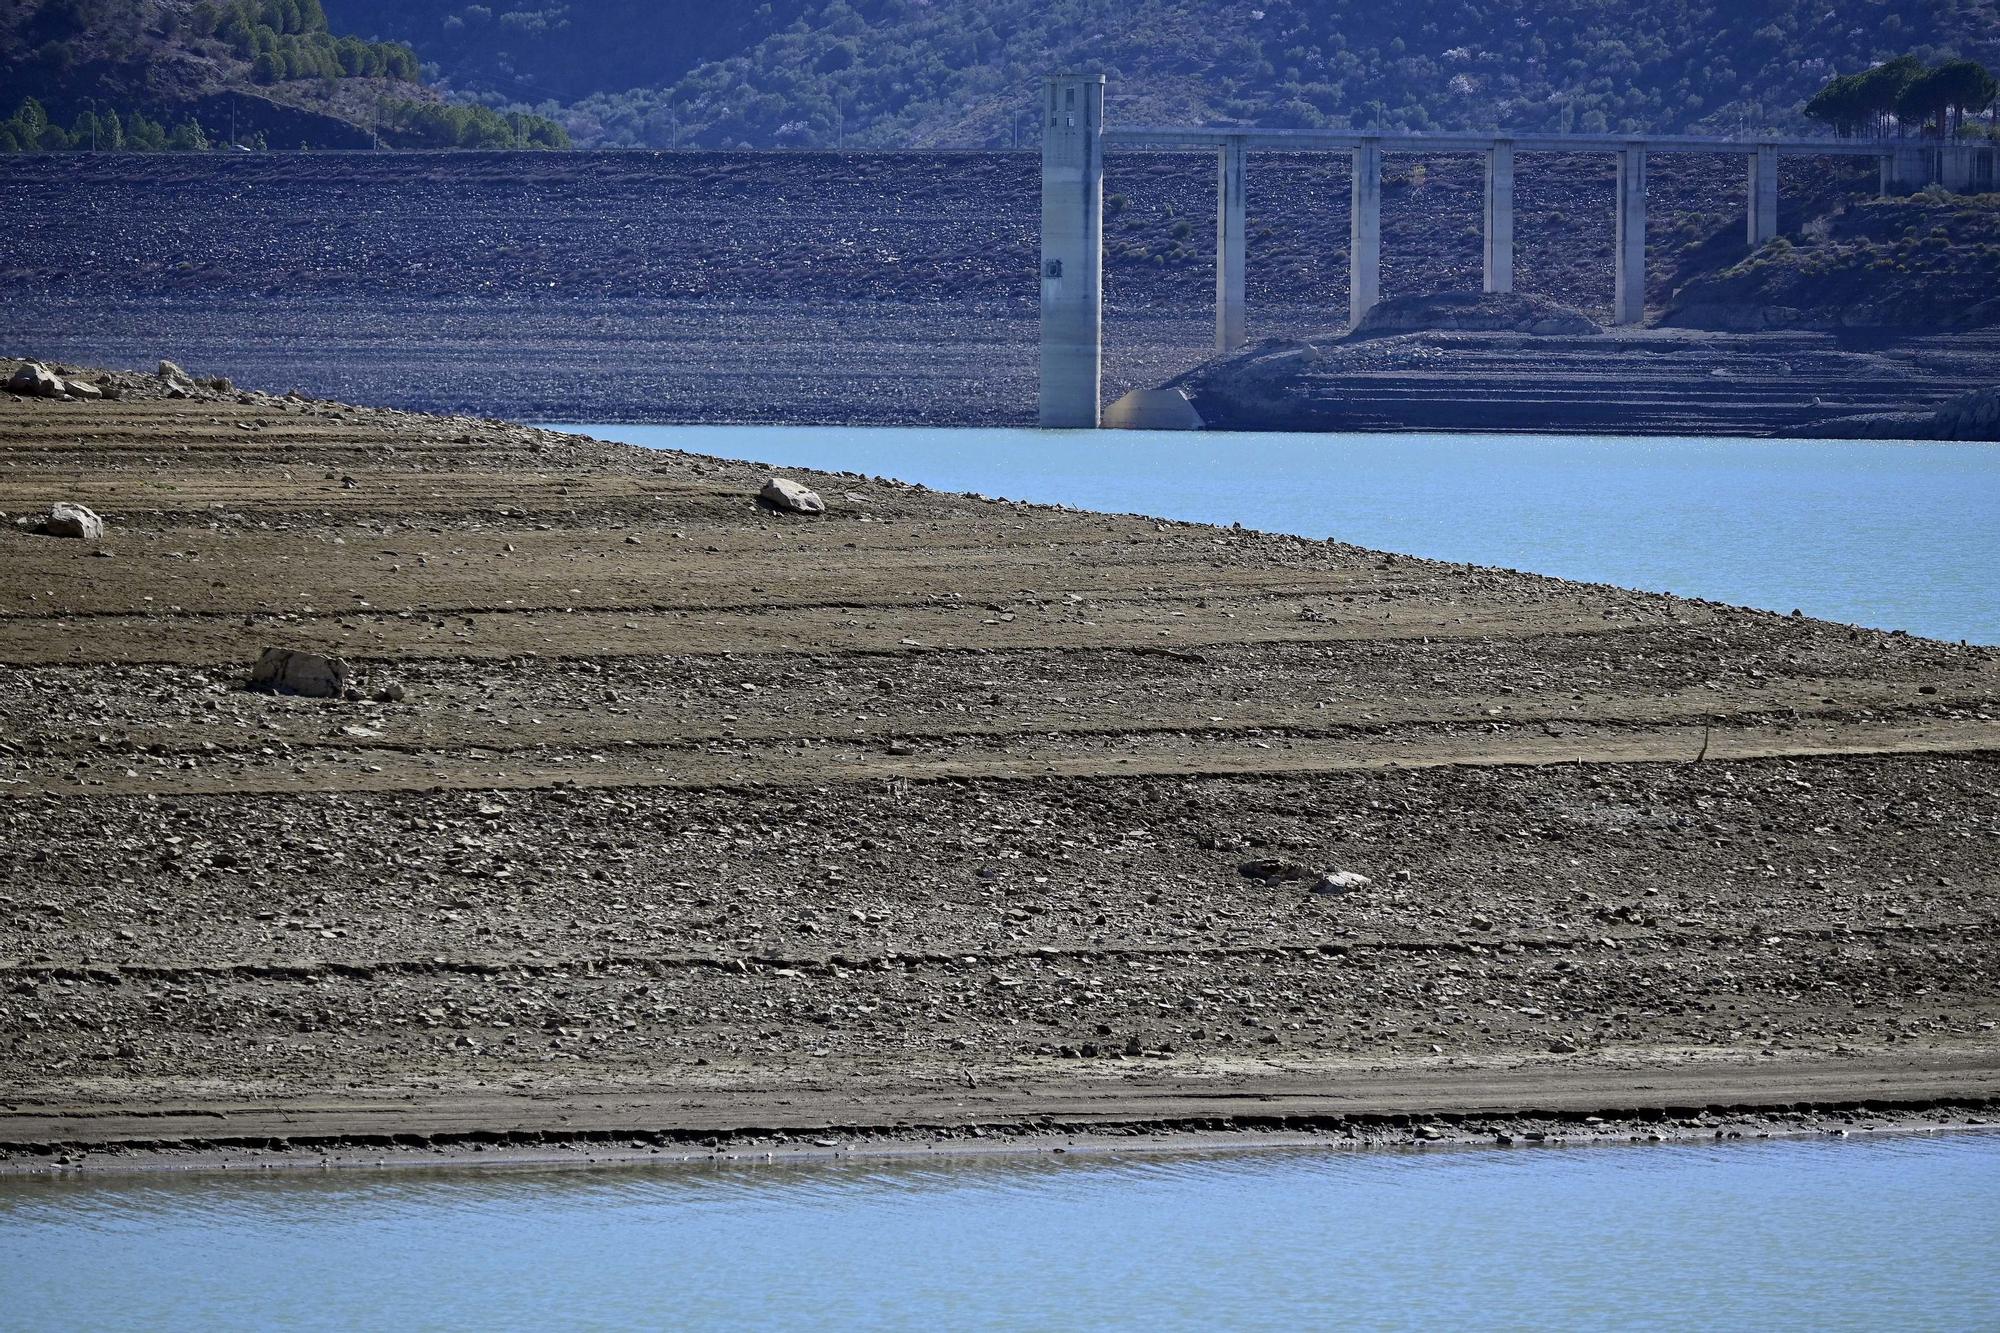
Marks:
<point>930,811</point>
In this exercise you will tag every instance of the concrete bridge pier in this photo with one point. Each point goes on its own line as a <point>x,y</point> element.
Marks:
<point>1072,251</point>
<point>1904,171</point>
<point>1231,265</point>
<point>1762,221</point>
<point>1364,232</point>
<point>1956,167</point>
<point>1628,302</point>
<point>1500,217</point>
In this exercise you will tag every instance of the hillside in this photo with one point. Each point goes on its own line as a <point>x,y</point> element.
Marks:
<point>1929,261</point>
<point>957,72</point>
<point>81,73</point>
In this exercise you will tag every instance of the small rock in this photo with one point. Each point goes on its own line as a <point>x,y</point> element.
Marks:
<point>87,392</point>
<point>391,693</point>
<point>291,671</point>
<point>1334,882</point>
<point>786,494</point>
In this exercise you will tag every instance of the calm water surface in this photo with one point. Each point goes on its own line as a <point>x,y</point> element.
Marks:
<point>1897,536</point>
<point>1853,1234</point>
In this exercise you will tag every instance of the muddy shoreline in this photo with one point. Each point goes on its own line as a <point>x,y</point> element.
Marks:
<point>1443,1131</point>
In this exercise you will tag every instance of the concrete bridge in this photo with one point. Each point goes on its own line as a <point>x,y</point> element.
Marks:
<point>1075,139</point>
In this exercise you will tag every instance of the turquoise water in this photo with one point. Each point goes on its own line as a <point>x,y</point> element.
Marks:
<point>1823,1234</point>
<point>1895,536</point>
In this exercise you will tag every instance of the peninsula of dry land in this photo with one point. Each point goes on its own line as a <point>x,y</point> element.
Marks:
<point>931,812</point>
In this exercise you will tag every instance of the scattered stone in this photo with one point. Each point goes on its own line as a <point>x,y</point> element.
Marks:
<point>291,671</point>
<point>786,494</point>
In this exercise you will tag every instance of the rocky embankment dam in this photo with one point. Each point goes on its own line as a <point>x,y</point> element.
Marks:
<point>868,288</point>
<point>660,816</point>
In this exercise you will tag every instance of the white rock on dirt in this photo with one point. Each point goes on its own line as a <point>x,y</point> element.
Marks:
<point>292,671</point>
<point>69,520</point>
<point>784,493</point>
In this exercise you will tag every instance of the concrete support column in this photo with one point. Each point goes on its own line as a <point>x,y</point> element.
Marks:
<point>1500,217</point>
<point>1762,220</point>
<point>1231,264</point>
<point>1955,165</point>
<point>1905,171</point>
<point>1628,304</point>
<point>1072,251</point>
<point>1364,232</point>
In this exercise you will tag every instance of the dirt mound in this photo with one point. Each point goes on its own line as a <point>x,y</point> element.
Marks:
<point>1483,312</point>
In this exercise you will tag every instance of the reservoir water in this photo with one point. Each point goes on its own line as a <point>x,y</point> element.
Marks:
<point>1814,1234</point>
<point>1890,535</point>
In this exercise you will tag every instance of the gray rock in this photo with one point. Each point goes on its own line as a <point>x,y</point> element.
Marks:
<point>292,671</point>
<point>1334,882</point>
<point>69,520</point>
<point>786,494</point>
<point>173,374</point>
<point>1273,870</point>
<point>36,381</point>
<point>78,389</point>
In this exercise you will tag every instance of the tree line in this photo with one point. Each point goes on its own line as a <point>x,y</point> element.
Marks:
<point>1904,93</point>
<point>30,130</point>
<point>289,39</point>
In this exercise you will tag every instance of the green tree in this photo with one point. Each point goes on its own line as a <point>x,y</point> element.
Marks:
<point>266,68</point>
<point>1966,88</point>
<point>1880,91</point>
<point>1840,106</point>
<point>143,135</point>
<point>1924,102</point>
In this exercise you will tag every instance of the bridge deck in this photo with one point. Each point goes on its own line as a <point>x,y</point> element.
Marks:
<point>1293,141</point>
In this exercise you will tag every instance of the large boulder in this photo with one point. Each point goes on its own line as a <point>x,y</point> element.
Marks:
<point>36,381</point>
<point>71,520</point>
<point>292,671</point>
<point>788,495</point>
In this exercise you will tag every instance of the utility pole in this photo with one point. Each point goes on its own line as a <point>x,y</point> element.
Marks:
<point>93,122</point>
<point>232,120</point>
<point>673,123</point>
